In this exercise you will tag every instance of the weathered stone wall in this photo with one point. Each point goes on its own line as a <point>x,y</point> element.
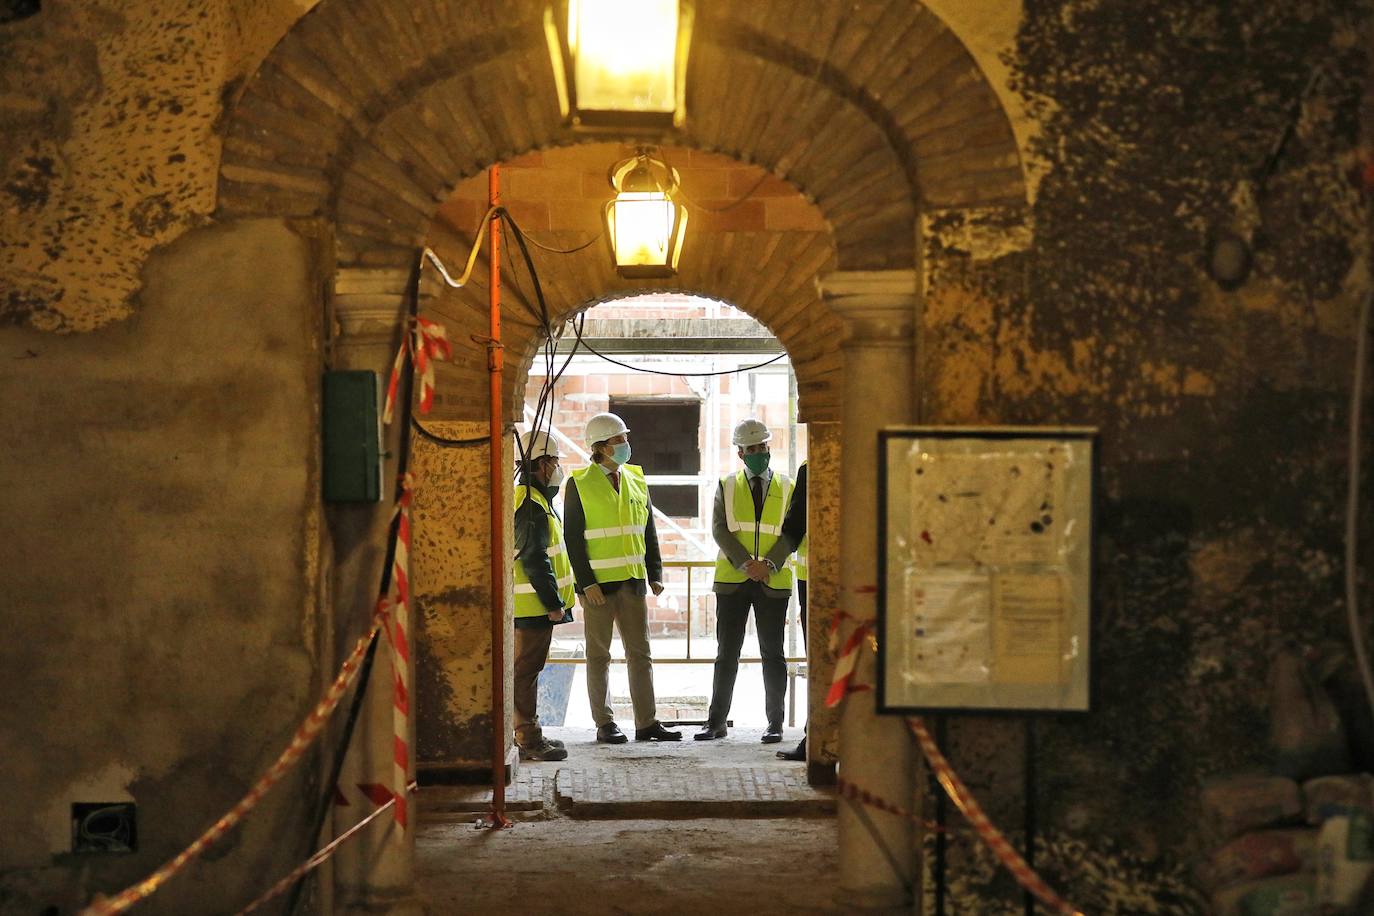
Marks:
<point>451,569</point>
<point>1223,415</point>
<point>159,573</point>
<point>109,144</point>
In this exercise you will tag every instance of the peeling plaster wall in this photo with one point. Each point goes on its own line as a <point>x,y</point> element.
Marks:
<point>1222,414</point>
<point>158,578</point>
<point>108,149</point>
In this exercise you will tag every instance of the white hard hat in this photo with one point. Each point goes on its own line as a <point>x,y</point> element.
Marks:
<point>604,426</point>
<point>538,445</point>
<point>751,432</point>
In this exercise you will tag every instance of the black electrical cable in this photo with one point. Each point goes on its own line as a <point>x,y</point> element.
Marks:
<point>543,412</point>
<point>678,374</point>
<point>444,440</point>
<point>544,404</point>
<point>587,244</point>
<point>326,802</point>
<point>727,207</point>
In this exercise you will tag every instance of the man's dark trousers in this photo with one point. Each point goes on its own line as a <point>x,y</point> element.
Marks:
<point>770,620</point>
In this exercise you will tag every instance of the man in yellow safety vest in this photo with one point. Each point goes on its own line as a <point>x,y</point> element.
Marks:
<point>794,532</point>
<point>613,547</point>
<point>543,587</point>
<point>751,571</point>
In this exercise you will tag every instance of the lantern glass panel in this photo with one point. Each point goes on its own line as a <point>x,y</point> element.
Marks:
<point>624,54</point>
<point>642,224</point>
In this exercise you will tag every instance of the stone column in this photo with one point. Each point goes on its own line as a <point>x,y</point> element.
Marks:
<point>824,443</point>
<point>877,858</point>
<point>374,873</point>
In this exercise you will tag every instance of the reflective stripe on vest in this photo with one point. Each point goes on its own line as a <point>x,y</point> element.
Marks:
<point>615,522</point>
<point>527,601</point>
<point>800,562</point>
<point>762,532</point>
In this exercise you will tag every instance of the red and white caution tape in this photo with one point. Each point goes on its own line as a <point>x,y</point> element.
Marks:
<point>841,685</point>
<point>431,343</point>
<point>428,341</point>
<point>862,795</point>
<point>372,794</point>
<point>318,858</point>
<point>992,837</point>
<point>305,736</point>
<point>400,645</point>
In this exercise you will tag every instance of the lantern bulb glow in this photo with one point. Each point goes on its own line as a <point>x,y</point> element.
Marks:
<point>623,54</point>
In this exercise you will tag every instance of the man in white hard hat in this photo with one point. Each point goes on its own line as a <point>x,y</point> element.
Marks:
<point>751,572</point>
<point>613,547</point>
<point>543,587</point>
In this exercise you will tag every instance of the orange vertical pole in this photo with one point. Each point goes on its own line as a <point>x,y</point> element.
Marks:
<point>498,521</point>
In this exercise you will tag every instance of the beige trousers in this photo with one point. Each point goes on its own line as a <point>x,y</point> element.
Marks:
<point>630,615</point>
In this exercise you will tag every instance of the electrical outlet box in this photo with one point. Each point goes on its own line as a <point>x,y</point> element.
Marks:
<point>104,827</point>
<point>352,466</point>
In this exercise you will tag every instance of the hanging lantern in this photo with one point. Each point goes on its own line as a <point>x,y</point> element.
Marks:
<point>620,64</point>
<point>645,222</point>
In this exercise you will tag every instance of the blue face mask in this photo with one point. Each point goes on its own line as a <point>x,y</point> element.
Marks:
<point>621,453</point>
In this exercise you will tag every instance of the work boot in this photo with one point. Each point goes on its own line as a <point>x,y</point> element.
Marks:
<point>531,733</point>
<point>542,749</point>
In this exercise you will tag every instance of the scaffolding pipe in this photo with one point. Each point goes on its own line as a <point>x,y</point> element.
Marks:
<point>498,520</point>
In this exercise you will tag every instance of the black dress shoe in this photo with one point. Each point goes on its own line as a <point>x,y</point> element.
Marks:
<point>710,733</point>
<point>797,753</point>
<point>656,732</point>
<point>772,735</point>
<point>610,733</point>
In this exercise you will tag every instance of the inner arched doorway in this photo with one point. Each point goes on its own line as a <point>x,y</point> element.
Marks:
<point>682,371</point>
<point>771,274</point>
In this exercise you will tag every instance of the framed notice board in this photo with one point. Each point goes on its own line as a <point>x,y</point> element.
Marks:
<point>985,569</point>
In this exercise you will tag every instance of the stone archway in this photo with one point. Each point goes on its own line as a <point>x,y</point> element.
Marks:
<point>367,115</point>
<point>733,255</point>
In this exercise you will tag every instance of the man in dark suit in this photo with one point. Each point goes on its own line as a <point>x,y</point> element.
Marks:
<point>794,533</point>
<point>751,572</point>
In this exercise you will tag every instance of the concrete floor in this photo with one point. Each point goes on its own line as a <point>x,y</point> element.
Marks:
<point>758,848</point>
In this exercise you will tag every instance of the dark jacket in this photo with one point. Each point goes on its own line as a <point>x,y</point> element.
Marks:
<point>532,553</point>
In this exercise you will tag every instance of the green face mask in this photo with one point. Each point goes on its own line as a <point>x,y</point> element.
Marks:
<point>757,463</point>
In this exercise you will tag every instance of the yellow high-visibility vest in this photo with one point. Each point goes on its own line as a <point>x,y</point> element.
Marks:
<point>527,601</point>
<point>756,535</point>
<point>800,562</point>
<point>615,522</point>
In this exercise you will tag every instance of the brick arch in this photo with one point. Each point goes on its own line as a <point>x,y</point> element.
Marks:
<point>368,113</point>
<point>764,257</point>
<point>770,275</point>
<point>808,330</point>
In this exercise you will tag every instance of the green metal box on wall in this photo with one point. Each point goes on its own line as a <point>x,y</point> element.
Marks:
<point>352,437</point>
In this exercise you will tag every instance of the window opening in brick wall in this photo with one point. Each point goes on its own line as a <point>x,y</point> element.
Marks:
<point>664,435</point>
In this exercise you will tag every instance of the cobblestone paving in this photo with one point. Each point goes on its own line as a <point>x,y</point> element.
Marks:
<point>603,785</point>
<point>732,777</point>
